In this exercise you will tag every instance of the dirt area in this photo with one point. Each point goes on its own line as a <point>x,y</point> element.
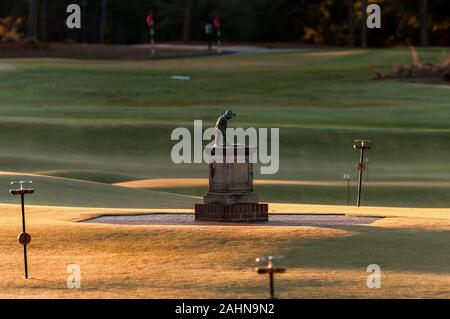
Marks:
<point>92,51</point>
<point>427,73</point>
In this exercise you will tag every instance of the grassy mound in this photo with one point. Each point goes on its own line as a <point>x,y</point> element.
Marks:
<point>70,192</point>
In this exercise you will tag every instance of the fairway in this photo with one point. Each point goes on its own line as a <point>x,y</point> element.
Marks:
<point>95,138</point>
<point>111,121</point>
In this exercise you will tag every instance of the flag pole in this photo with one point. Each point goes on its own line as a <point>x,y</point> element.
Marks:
<point>151,24</point>
<point>152,40</point>
<point>216,24</point>
<point>219,42</point>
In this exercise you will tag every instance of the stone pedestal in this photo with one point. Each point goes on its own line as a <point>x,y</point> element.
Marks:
<point>230,196</point>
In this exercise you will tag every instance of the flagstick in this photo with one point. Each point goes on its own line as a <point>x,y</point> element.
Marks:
<point>152,41</point>
<point>219,42</point>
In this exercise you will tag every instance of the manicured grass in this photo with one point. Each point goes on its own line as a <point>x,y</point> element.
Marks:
<point>120,261</point>
<point>332,195</point>
<point>105,122</point>
<point>111,121</point>
<point>77,193</point>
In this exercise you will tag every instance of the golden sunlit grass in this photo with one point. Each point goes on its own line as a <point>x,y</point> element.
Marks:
<point>195,182</point>
<point>122,261</point>
<point>438,213</point>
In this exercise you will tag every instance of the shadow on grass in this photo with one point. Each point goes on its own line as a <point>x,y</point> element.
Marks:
<point>423,197</point>
<point>391,248</point>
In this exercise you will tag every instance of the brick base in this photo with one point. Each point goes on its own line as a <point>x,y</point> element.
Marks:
<point>232,212</point>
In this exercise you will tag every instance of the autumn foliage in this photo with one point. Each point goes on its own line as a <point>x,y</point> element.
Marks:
<point>10,28</point>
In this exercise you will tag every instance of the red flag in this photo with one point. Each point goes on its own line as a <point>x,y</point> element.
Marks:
<point>216,22</point>
<point>150,20</point>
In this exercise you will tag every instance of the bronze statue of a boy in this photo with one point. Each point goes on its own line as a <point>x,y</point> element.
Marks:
<point>221,125</point>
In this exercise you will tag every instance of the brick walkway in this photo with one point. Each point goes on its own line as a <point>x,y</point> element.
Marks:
<point>274,220</point>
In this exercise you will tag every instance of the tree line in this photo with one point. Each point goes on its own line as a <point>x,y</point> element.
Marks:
<point>323,22</point>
